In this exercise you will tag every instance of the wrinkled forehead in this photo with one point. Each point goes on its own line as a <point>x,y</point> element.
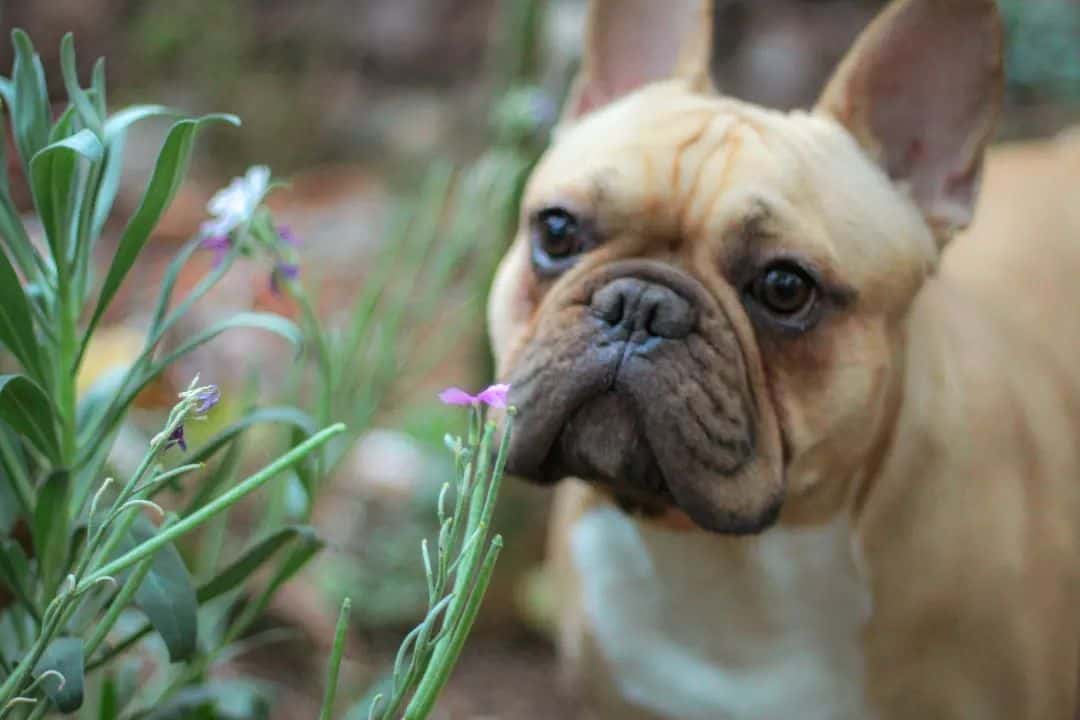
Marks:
<point>673,164</point>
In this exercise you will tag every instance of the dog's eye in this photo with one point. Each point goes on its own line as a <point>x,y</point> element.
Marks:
<point>558,239</point>
<point>784,289</point>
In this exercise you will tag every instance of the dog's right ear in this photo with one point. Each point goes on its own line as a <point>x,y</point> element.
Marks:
<point>630,43</point>
<point>920,91</point>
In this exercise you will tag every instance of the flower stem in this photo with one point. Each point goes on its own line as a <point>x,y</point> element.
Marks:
<point>223,501</point>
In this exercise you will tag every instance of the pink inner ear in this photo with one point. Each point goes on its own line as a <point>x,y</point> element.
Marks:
<point>924,113</point>
<point>924,90</point>
<point>632,43</point>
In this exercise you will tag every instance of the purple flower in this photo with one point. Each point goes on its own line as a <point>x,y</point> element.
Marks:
<point>207,398</point>
<point>493,396</point>
<point>288,236</point>
<point>176,437</point>
<point>281,272</point>
<point>220,244</point>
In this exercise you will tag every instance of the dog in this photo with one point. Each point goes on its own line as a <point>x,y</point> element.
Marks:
<point>817,447</point>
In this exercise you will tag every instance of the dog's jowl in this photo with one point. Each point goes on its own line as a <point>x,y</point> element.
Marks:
<point>815,446</point>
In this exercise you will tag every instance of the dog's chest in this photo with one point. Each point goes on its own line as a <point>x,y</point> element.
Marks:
<point>694,626</point>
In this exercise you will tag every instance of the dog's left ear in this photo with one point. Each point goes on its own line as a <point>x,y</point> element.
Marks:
<point>920,91</point>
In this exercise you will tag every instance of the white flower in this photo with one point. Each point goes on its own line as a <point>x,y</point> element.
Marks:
<point>234,205</point>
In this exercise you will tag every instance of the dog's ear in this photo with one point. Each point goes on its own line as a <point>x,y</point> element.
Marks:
<point>920,91</point>
<point>630,43</point>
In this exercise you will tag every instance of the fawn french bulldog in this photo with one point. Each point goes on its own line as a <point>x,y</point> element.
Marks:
<point>828,445</point>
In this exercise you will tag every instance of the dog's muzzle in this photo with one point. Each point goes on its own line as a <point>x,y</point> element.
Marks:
<point>635,380</point>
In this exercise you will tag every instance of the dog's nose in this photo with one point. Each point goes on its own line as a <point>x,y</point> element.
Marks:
<point>636,305</point>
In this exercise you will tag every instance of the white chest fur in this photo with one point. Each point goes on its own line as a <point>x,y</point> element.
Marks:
<point>695,626</point>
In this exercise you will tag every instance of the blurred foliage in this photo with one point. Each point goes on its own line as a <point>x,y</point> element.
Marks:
<point>469,214</point>
<point>1042,45</point>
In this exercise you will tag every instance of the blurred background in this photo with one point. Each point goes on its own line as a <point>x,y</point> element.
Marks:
<point>379,112</point>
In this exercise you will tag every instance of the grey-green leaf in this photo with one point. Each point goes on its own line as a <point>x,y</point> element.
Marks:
<point>87,110</point>
<point>169,171</point>
<point>16,325</point>
<point>119,123</point>
<point>50,527</point>
<point>29,99</point>
<point>65,656</point>
<point>115,136</point>
<point>26,408</point>
<point>167,594</point>
<point>54,166</point>
<point>252,559</point>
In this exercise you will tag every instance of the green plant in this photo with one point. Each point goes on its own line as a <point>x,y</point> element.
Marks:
<point>68,632</point>
<point>92,552</point>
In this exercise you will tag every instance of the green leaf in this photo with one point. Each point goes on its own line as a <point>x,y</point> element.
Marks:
<point>252,559</point>
<point>109,707</point>
<point>118,124</point>
<point>97,83</point>
<point>88,112</point>
<point>52,170</point>
<point>15,572</point>
<point>16,325</point>
<point>334,664</point>
<point>119,687</point>
<point>29,100</point>
<point>109,184</point>
<point>115,137</point>
<point>65,656</point>
<point>305,548</point>
<point>50,527</point>
<point>168,173</point>
<point>167,594</point>
<point>26,408</point>
<point>9,505</point>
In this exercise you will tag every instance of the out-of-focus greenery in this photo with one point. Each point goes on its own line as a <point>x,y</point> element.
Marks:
<point>1043,47</point>
<point>461,221</point>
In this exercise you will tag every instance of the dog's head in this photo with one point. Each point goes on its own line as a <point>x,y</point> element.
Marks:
<point>703,308</point>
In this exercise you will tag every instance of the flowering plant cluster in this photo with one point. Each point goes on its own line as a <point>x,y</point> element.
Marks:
<point>89,566</point>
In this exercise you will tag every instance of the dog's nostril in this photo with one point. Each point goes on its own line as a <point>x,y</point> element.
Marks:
<point>667,314</point>
<point>609,303</point>
<point>638,305</point>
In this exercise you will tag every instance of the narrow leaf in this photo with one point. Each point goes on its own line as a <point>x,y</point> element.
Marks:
<point>52,170</point>
<point>334,664</point>
<point>50,527</point>
<point>97,82</point>
<point>16,326</point>
<point>118,124</point>
<point>87,111</point>
<point>169,171</point>
<point>26,408</point>
<point>29,100</point>
<point>252,559</point>
<point>115,137</point>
